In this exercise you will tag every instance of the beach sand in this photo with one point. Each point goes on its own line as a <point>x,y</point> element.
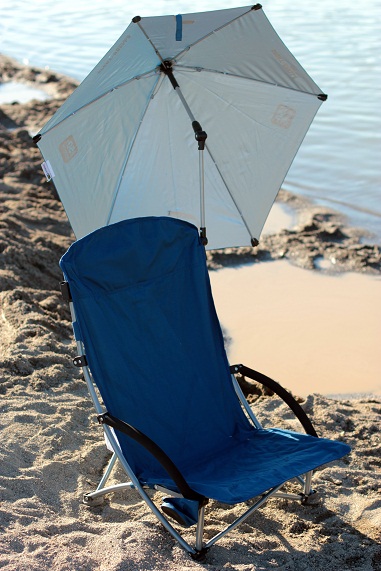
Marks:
<point>52,449</point>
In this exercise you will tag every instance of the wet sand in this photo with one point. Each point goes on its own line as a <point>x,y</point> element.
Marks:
<point>52,449</point>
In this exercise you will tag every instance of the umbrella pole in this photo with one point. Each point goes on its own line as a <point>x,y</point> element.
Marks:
<point>203,237</point>
<point>200,137</point>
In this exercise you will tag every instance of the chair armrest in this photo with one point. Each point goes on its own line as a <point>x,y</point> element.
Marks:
<point>156,451</point>
<point>280,391</point>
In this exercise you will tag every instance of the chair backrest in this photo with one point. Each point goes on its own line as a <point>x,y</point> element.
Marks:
<point>146,316</point>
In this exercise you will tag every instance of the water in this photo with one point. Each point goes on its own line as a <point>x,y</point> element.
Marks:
<point>12,91</point>
<point>311,331</point>
<point>339,44</point>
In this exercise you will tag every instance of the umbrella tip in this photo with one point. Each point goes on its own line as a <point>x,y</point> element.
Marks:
<point>257,7</point>
<point>136,19</point>
<point>323,97</point>
<point>254,242</point>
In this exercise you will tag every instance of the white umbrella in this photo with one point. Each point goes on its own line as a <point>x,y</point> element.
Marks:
<point>122,145</point>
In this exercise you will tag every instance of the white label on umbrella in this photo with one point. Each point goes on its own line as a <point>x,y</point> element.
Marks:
<point>48,170</point>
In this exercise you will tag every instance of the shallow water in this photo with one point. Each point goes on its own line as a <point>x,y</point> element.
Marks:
<point>311,331</point>
<point>13,92</point>
<point>337,42</point>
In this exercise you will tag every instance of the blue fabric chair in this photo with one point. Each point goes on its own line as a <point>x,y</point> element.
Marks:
<point>150,340</point>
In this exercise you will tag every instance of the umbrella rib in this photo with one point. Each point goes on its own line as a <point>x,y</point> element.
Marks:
<point>135,78</point>
<point>213,32</point>
<point>253,239</point>
<point>149,40</point>
<point>128,155</point>
<point>226,73</point>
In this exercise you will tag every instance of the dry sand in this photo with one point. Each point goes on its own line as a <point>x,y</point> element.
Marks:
<point>52,448</point>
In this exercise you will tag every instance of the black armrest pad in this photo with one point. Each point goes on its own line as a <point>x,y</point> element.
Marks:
<point>156,451</point>
<point>281,392</point>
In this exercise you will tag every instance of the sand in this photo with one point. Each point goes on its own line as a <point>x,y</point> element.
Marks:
<point>51,446</point>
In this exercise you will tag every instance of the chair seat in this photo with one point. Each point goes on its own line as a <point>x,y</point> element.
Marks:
<point>258,461</point>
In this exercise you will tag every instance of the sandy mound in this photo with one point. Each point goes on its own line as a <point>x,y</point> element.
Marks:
<point>52,448</point>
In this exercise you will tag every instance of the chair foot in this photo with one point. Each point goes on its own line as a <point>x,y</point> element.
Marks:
<point>200,555</point>
<point>91,502</point>
<point>310,499</point>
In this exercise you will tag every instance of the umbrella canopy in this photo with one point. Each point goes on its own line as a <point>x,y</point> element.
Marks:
<point>122,145</point>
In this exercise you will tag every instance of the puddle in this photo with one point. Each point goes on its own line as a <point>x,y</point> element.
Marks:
<point>13,92</point>
<point>309,330</point>
<point>322,263</point>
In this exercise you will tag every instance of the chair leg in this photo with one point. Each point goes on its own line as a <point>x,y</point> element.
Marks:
<point>307,484</point>
<point>107,473</point>
<point>309,495</point>
<point>243,517</point>
<point>200,528</point>
<point>95,498</point>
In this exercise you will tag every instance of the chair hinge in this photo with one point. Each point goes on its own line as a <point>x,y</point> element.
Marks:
<point>234,369</point>
<point>65,291</point>
<point>80,361</point>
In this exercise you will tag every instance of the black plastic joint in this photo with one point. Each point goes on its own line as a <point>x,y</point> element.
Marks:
<point>200,136</point>
<point>80,361</point>
<point>200,554</point>
<point>234,369</point>
<point>204,239</point>
<point>65,291</point>
<point>136,19</point>
<point>257,7</point>
<point>196,126</point>
<point>254,242</point>
<point>36,138</point>
<point>166,67</point>
<point>322,97</point>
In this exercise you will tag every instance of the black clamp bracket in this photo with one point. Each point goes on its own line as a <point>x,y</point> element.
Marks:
<point>204,239</point>
<point>166,68</point>
<point>80,361</point>
<point>199,135</point>
<point>65,291</point>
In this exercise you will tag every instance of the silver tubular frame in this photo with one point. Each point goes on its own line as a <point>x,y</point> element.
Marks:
<point>199,547</point>
<point>244,403</point>
<point>243,517</point>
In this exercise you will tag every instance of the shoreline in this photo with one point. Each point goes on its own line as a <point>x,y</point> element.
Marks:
<point>52,449</point>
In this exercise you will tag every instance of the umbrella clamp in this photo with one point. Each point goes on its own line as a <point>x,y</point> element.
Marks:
<point>204,239</point>
<point>199,134</point>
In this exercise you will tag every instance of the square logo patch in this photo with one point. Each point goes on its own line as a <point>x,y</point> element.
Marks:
<point>283,116</point>
<point>68,149</point>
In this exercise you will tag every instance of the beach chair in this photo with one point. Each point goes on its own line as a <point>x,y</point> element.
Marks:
<point>173,413</point>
